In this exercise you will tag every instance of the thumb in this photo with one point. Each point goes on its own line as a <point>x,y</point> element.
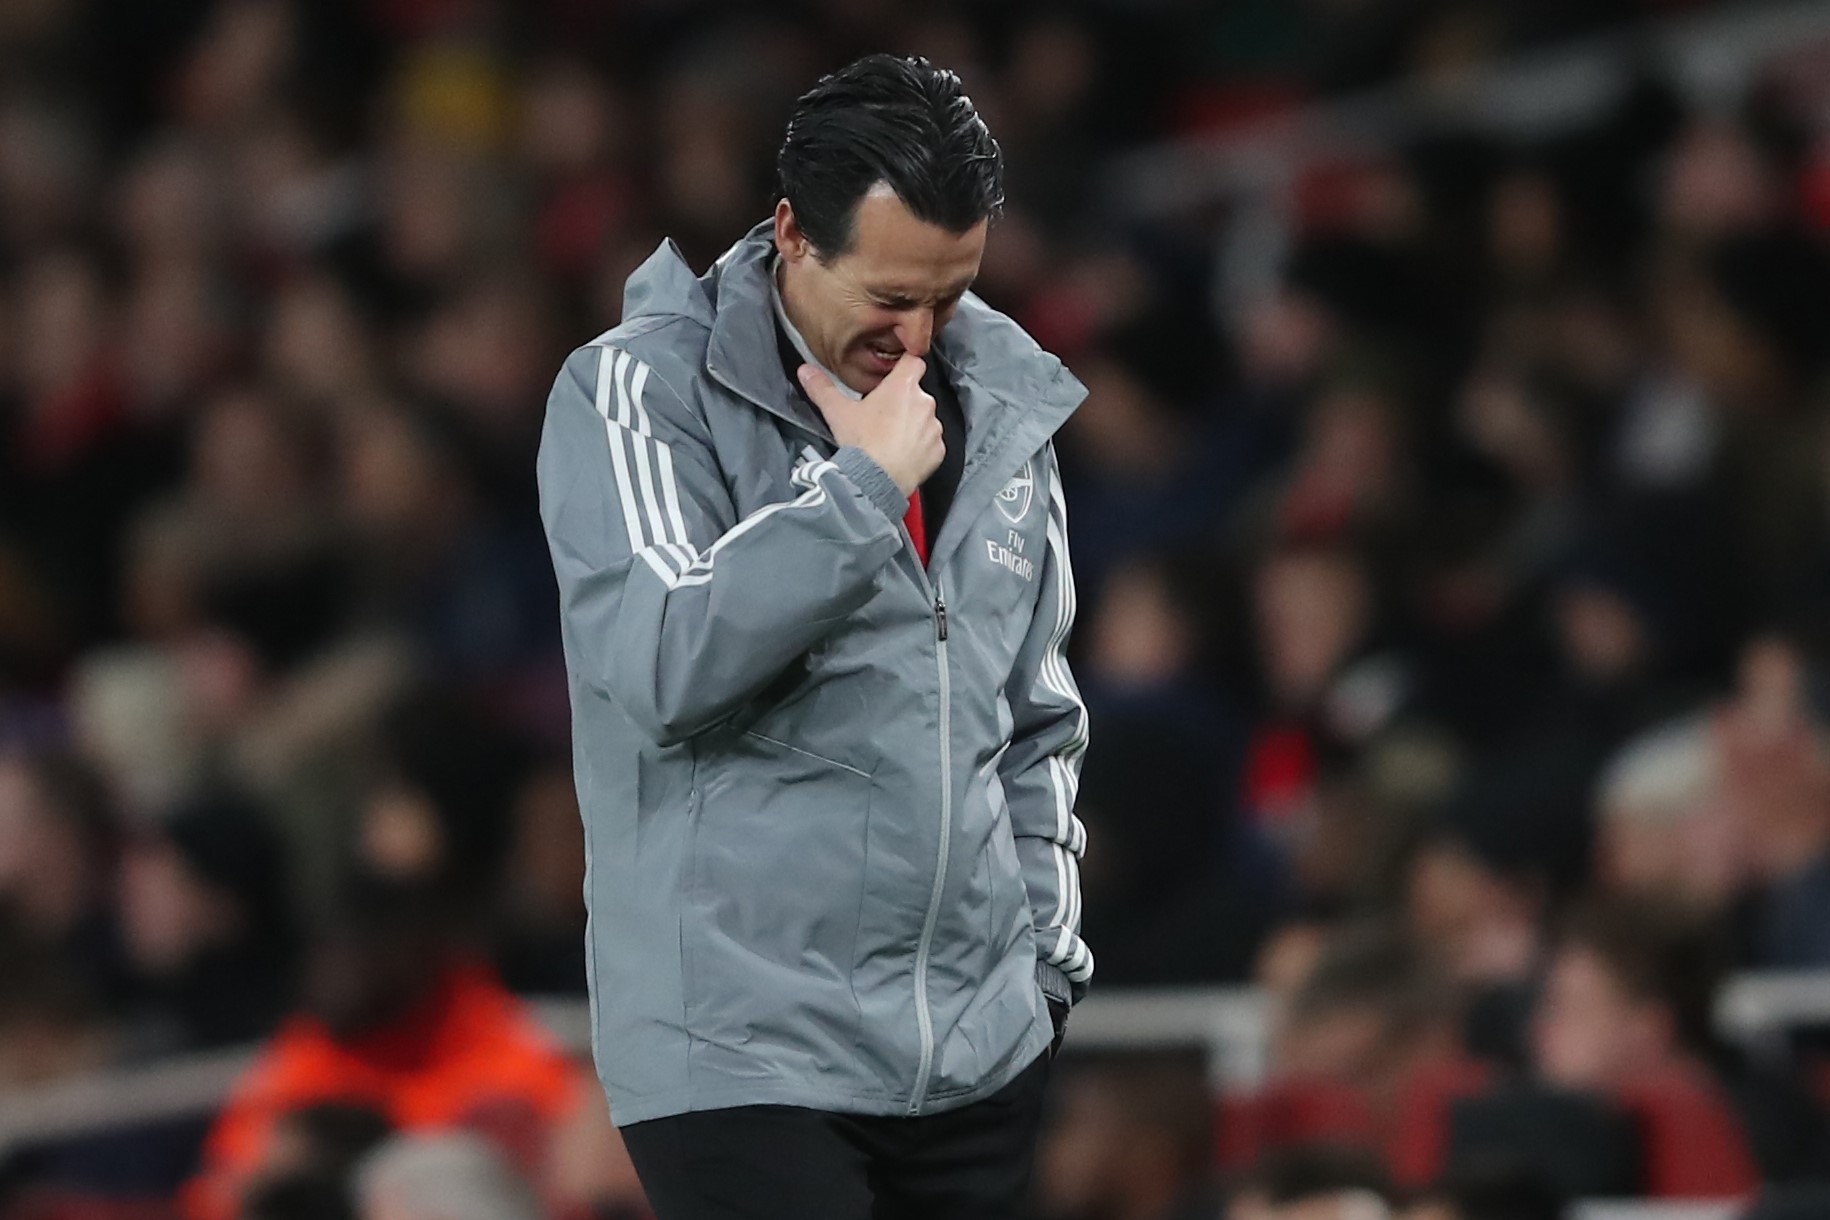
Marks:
<point>909,366</point>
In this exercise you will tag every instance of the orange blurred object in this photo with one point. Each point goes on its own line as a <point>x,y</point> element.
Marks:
<point>471,1055</point>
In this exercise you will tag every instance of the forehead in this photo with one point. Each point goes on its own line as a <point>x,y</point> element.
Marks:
<point>892,249</point>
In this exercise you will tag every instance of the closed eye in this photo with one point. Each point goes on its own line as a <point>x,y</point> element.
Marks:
<point>899,304</point>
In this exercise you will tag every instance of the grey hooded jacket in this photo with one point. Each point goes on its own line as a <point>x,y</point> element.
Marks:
<point>828,795</point>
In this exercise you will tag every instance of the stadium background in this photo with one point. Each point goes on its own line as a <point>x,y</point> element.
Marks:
<point>1451,514</point>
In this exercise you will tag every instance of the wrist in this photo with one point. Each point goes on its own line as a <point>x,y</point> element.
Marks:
<point>869,477</point>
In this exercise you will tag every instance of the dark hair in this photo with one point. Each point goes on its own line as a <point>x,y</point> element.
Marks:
<point>1499,1188</point>
<point>1375,966</point>
<point>895,120</point>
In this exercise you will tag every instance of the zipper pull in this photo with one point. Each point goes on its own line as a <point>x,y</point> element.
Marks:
<point>940,615</point>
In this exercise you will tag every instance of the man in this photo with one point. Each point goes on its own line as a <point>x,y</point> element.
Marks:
<point>400,1019</point>
<point>1625,1014</point>
<point>811,550</point>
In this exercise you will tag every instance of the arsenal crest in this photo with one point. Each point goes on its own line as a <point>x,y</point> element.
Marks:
<point>1014,500</point>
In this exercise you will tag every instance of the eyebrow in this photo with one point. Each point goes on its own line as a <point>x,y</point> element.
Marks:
<point>897,296</point>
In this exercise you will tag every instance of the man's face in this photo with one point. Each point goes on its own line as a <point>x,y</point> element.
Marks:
<point>890,293</point>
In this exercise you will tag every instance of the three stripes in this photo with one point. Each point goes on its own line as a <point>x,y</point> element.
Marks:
<point>654,522</point>
<point>1070,840</point>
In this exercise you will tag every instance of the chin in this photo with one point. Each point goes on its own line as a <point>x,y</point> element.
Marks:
<point>864,380</point>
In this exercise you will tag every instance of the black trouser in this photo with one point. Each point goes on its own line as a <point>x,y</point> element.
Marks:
<point>787,1163</point>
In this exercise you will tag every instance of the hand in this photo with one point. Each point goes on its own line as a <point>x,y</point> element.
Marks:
<point>895,423</point>
<point>1058,1016</point>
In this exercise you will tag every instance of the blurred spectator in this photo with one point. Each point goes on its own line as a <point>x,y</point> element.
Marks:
<point>57,852</point>
<point>51,1024</point>
<point>1347,478</point>
<point>1367,1052</point>
<point>54,1033</point>
<point>1776,788</point>
<point>1625,1014</point>
<point>435,809</point>
<point>541,945</point>
<point>1315,614</point>
<point>1527,802</point>
<point>429,554</point>
<point>247,546</point>
<point>1328,690</point>
<point>1663,828</point>
<point>1177,858</point>
<point>1481,911</point>
<point>1369,1012</point>
<point>207,922</point>
<point>401,1020</point>
<point>1130,1139</point>
<point>1142,456</point>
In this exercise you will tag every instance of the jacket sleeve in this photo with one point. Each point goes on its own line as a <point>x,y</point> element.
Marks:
<point>1041,769</point>
<point>671,605</point>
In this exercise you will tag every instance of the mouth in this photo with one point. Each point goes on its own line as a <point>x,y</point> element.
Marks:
<point>882,357</point>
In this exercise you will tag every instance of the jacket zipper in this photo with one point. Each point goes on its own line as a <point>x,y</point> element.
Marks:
<point>923,1016</point>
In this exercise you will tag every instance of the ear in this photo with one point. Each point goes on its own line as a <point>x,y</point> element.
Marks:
<point>790,242</point>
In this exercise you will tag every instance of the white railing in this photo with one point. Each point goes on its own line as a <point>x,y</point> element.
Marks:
<point>1644,1209</point>
<point>123,1097</point>
<point>1227,1024</point>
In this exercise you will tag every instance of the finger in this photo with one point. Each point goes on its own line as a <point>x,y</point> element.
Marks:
<point>910,367</point>
<point>821,389</point>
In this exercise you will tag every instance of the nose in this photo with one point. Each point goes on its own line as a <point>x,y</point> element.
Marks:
<point>915,330</point>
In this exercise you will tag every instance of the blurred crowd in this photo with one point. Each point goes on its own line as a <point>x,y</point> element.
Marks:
<point>1455,592</point>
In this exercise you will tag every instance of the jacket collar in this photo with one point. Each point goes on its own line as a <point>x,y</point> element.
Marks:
<point>1013,394</point>
<point>989,356</point>
<point>743,355</point>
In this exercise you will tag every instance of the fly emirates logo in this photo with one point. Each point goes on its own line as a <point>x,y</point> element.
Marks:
<point>1009,555</point>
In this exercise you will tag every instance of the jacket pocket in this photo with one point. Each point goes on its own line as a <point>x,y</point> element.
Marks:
<point>777,883</point>
<point>818,758</point>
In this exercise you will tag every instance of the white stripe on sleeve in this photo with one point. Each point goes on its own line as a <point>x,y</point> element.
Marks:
<point>1063,777</point>
<point>639,382</point>
<point>670,492</point>
<point>619,458</point>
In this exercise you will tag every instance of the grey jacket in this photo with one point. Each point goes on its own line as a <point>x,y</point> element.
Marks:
<point>828,796</point>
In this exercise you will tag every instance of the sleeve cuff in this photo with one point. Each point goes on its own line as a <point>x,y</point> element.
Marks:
<point>873,481</point>
<point>1054,983</point>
